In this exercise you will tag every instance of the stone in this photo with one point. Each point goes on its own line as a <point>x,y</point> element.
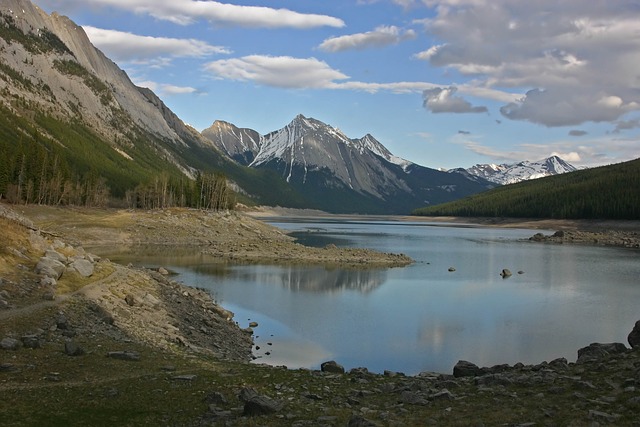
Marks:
<point>452,269</point>
<point>466,369</point>
<point>332,367</point>
<point>53,254</point>
<point>215,398</point>
<point>444,394</point>
<point>253,324</point>
<point>163,271</point>
<point>73,349</point>
<point>596,351</point>
<point>48,282</point>
<point>132,356</point>
<point>256,404</point>
<point>412,398</point>
<point>505,273</point>
<point>50,267</point>
<point>130,300</point>
<point>634,336</point>
<point>62,322</point>
<point>83,267</point>
<point>9,344</point>
<point>31,341</point>
<point>358,421</point>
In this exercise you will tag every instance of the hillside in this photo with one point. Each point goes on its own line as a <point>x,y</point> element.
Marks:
<point>75,130</point>
<point>607,192</point>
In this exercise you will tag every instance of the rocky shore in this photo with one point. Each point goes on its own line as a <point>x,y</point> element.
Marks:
<point>84,341</point>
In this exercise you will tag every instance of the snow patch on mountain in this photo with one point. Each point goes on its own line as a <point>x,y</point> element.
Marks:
<point>516,172</point>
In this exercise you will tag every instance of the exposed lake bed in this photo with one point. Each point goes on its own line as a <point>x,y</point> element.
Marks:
<point>560,392</point>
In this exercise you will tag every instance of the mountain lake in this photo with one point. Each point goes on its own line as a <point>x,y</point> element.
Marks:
<point>423,317</point>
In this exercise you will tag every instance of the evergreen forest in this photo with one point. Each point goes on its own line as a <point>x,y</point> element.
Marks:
<point>607,192</point>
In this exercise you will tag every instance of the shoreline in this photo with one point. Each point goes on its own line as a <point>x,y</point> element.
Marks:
<point>141,349</point>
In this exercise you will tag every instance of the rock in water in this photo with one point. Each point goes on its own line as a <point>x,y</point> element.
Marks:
<point>505,273</point>
<point>634,336</point>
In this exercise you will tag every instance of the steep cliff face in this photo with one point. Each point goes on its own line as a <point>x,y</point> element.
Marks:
<point>241,144</point>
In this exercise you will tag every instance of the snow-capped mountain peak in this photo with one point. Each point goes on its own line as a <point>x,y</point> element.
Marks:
<point>522,171</point>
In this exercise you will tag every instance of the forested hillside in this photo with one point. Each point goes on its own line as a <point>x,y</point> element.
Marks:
<point>607,192</point>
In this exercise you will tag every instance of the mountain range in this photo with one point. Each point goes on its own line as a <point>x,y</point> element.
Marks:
<point>511,173</point>
<point>61,95</point>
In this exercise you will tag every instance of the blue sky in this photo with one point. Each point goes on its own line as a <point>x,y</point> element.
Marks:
<point>442,83</point>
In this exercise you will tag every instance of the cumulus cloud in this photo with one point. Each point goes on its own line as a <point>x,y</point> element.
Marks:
<point>584,153</point>
<point>301,73</point>
<point>128,47</point>
<point>185,12</point>
<point>278,71</point>
<point>380,37</point>
<point>576,59</point>
<point>444,100</point>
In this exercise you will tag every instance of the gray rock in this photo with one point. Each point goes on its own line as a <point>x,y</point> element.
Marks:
<point>48,282</point>
<point>634,336</point>
<point>444,394</point>
<point>31,341</point>
<point>73,349</point>
<point>256,404</point>
<point>50,267</point>
<point>53,254</point>
<point>253,324</point>
<point>83,267</point>
<point>62,322</point>
<point>332,367</point>
<point>9,344</point>
<point>467,369</point>
<point>412,398</point>
<point>215,398</point>
<point>452,269</point>
<point>596,351</point>
<point>505,273</point>
<point>358,421</point>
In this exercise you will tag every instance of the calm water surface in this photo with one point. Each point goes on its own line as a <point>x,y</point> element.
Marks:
<point>423,317</point>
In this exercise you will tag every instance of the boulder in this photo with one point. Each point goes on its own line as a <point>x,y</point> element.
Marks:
<point>9,344</point>
<point>53,254</point>
<point>634,336</point>
<point>596,351</point>
<point>73,349</point>
<point>83,267</point>
<point>467,369</point>
<point>332,367</point>
<point>256,404</point>
<point>50,267</point>
<point>505,273</point>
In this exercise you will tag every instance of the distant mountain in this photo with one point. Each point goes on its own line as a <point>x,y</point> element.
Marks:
<point>340,174</point>
<point>516,172</point>
<point>73,125</point>
<point>606,192</point>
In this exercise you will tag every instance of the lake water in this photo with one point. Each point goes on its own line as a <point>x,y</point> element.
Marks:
<point>424,317</point>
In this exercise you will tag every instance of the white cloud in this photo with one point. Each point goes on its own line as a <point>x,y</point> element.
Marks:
<point>278,71</point>
<point>185,12</point>
<point>380,37</point>
<point>444,100</point>
<point>126,47</point>
<point>576,60</point>
<point>165,89</point>
<point>589,153</point>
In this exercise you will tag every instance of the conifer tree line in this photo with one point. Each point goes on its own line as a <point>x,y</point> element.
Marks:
<point>33,174</point>
<point>607,192</point>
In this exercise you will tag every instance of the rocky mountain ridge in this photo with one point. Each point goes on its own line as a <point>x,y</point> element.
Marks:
<point>510,173</point>
<point>355,174</point>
